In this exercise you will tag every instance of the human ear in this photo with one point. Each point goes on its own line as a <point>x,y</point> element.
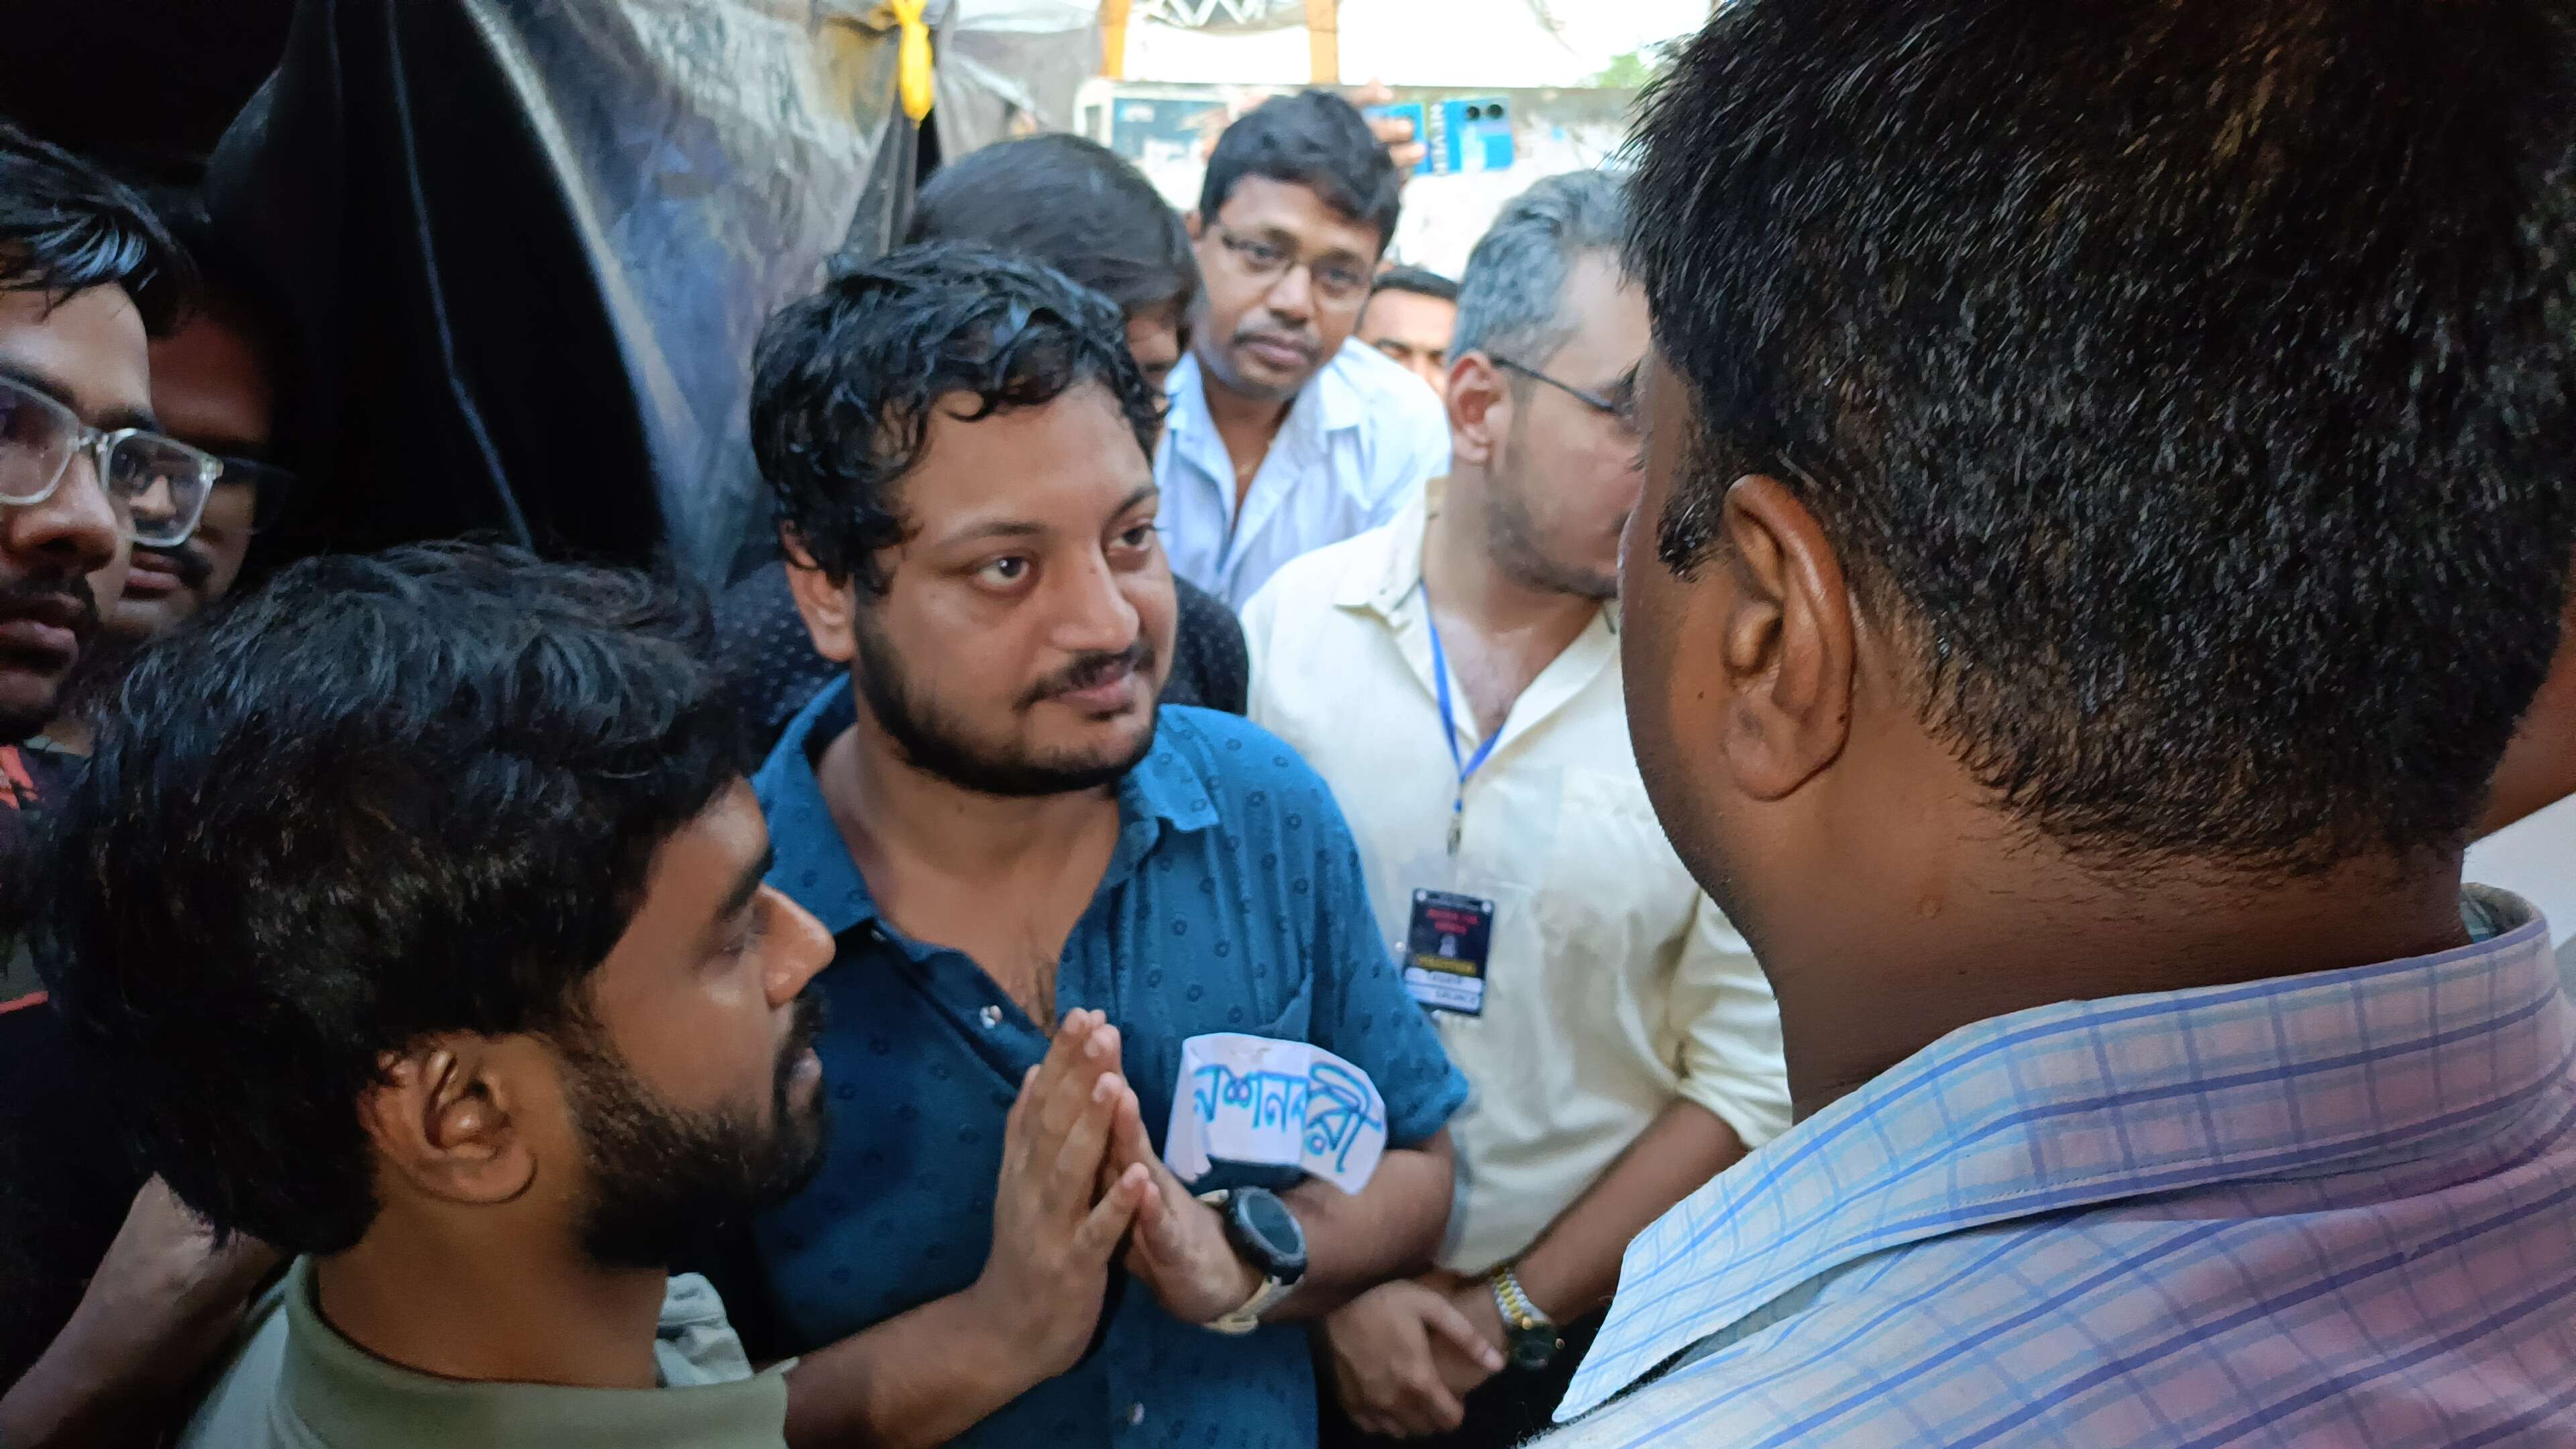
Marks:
<point>1480,408</point>
<point>447,1118</point>
<point>830,609</point>
<point>1785,641</point>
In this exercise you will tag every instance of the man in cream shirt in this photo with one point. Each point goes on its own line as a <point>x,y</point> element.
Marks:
<point>1455,677</point>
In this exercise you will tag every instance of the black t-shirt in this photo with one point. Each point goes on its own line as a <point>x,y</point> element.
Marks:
<point>66,1179</point>
<point>66,1173</point>
<point>771,670</point>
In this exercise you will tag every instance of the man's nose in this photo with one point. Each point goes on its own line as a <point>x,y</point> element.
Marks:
<point>804,947</point>
<point>74,531</point>
<point>1292,296</point>
<point>1092,613</point>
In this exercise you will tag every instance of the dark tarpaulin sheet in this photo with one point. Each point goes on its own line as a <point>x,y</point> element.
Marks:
<point>527,245</point>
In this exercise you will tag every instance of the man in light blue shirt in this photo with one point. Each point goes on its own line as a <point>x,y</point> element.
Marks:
<point>1284,434</point>
<point>2105,510</point>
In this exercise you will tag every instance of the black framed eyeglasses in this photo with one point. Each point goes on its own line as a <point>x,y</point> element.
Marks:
<point>1338,282</point>
<point>275,484</point>
<point>156,485</point>
<point>1622,412</point>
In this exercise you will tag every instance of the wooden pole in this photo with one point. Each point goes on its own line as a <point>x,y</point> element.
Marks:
<point>1324,41</point>
<point>1113,39</point>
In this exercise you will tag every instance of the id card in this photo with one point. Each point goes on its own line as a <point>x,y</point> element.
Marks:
<point>1445,951</point>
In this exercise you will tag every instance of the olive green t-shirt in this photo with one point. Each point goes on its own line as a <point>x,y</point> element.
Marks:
<point>297,1384</point>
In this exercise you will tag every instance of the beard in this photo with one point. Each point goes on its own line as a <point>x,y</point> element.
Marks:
<point>660,1178</point>
<point>18,721</point>
<point>936,741</point>
<point>1515,541</point>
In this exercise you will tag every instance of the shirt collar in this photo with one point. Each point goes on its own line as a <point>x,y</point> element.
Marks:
<point>813,867</point>
<point>1391,570</point>
<point>1331,399</point>
<point>349,1396</point>
<point>2087,1102</point>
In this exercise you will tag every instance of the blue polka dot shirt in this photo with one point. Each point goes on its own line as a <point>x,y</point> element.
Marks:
<point>1233,902</point>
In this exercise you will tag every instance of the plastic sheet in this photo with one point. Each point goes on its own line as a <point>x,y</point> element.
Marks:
<point>529,245</point>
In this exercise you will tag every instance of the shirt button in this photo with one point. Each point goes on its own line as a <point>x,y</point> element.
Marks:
<point>991,1016</point>
<point>1135,1415</point>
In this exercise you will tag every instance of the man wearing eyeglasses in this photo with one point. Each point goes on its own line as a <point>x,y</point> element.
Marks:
<point>1285,435</point>
<point>1622,1045</point>
<point>83,474</point>
<point>214,385</point>
<point>214,388</point>
<point>86,273</point>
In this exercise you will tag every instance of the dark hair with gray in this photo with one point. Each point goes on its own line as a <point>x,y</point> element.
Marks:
<point>1511,301</point>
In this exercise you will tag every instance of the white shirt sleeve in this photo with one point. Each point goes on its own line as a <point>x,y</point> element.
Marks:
<point>1259,617</point>
<point>1415,450</point>
<point>1730,1056</point>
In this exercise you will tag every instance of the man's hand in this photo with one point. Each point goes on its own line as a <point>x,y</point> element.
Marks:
<point>1043,1284</point>
<point>1404,1359</point>
<point>165,1300</point>
<point>1474,1300</point>
<point>1395,133</point>
<point>1180,1250</point>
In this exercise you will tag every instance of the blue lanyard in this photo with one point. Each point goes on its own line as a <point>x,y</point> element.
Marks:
<point>1467,764</point>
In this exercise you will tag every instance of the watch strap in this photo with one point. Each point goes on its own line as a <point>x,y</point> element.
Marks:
<point>1516,1307</point>
<point>1248,1317</point>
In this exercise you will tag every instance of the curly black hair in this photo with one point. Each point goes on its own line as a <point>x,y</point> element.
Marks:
<point>66,226</point>
<point>2190,385</point>
<point>843,382</point>
<point>379,799</point>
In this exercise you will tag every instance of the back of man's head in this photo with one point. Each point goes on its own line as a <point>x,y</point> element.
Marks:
<point>1072,204</point>
<point>380,800</point>
<point>2184,386</point>
<point>1313,139</point>
<point>66,226</point>
<point>844,382</point>
<point>1511,297</point>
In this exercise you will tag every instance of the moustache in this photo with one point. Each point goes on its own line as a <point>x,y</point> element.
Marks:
<point>1091,669</point>
<point>64,602</point>
<point>805,1023</point>
<point>1308,344</point>
<point>187,561</point>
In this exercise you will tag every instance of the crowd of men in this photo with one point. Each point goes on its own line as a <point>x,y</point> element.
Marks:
<point>1863,735</point>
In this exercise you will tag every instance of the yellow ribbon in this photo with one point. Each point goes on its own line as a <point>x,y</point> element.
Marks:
<point>912,59</point>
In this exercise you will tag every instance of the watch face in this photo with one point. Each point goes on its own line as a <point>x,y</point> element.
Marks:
<point>1534,1348</point>
<point>1268,1220</point>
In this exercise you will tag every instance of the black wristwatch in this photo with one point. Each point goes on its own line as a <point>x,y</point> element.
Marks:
<point>1533,1338</point>
<point>1269,1237</point>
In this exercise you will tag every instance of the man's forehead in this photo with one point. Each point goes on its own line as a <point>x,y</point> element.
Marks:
<point>1266,203</point>
<point>87,351</point>
<point>1071,458</point>
<point>1411,315</point>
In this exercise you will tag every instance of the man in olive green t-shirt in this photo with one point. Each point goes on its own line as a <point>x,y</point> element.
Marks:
<point>466,991</point>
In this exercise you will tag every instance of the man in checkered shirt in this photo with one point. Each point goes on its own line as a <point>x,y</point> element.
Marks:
<point>2106,507</point>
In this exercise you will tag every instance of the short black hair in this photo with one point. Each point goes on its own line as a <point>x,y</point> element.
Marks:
<point>224,282</point>
<point>843,382</point>
<point>2189,385</point>
<point>379,799</point>
<point>1313,139</point>
<point>66,226</point>
<point>1421,281</point>
<point>1073,204</point>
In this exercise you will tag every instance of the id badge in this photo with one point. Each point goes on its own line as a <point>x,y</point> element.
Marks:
<point>1445,951</point>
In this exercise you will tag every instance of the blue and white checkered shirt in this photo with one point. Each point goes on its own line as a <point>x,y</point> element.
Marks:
<point>2335,1209</point>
